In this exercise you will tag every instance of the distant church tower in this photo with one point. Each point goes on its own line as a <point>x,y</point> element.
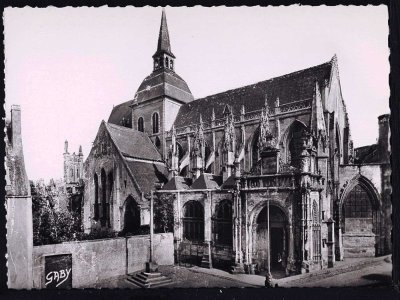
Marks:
<point>73,165</point>
<point>161,94</point>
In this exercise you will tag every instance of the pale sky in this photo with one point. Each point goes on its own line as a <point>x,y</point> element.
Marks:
<point>67,67</point>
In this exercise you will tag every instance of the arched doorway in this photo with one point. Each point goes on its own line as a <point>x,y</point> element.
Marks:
<point>131,216</point>
<point>278,241</point>
<point>360,223</point>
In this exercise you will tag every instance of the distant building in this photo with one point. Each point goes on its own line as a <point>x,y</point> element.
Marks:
<point>73,169</point>
<point>262,174</point>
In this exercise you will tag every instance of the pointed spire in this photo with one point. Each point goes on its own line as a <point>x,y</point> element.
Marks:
<point>163,45</point>
<point>80,150</point>
<point>213,114</point>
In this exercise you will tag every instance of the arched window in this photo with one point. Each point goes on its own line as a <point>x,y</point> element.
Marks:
<point>155,120</point>
<point>294,146</point>
<point>131,216</point>
<point>104,217</point>
<point>140,124</point>
<point>358,204</point>
<point>157,142</point>
<point>223,223</point>
<point>110,188</point>
<point>193,221</point>
<point>96,197</point>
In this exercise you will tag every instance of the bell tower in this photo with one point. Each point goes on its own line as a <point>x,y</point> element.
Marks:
<point>163,58</point>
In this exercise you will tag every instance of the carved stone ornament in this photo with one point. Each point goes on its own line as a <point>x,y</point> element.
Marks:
<point>229,134</point>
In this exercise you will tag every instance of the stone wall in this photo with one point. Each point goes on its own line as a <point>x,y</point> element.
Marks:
<point>99,260</point>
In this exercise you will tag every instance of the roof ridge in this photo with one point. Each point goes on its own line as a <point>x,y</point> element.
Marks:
<point>263,81</point>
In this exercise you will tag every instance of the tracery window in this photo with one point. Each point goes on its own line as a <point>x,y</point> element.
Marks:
<point>96,197</point>
<point>140,124</point>
<point>358,204</point>
<point>193,221</point>
<point>223,223</point>
<point>155,120</point>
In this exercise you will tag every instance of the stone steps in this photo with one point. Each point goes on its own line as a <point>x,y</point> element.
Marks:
<point>149,280</point>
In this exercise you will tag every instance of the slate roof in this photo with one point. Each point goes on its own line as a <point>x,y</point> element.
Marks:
<point>133,143</point>
<point>163,82</point>
<point>229,183</point>
<point>367,154</point>
<point>147,175</point>
<point>119,112</point>
<point>163,45</point>
<point>207,181</point>
<point>289,88</point>
<point>177,183</point>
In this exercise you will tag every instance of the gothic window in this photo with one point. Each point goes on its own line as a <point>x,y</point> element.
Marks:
<point>193,221</point>
<point>171,64</point>
<point>223,223</point>
<point>140,124</point>
<point>294,146</point>
<point>254,150</point>
<point>105,210</point>
<point>358,204</point>
<point>110,187</point>
<point>166,62</point>
<point>96,197</point>
<point>131,216</point>
<point>155,120</point>
<point>157,142</point>
<point>316,230</point>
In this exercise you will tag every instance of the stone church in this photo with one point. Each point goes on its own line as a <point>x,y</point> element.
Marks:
<point>262,177</point>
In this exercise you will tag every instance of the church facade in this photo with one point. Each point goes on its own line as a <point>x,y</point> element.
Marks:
<point>263,177</point>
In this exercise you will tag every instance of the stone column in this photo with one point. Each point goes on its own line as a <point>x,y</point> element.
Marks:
<point>206,260</point>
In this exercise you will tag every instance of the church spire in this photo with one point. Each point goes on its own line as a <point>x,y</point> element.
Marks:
<point>163,58</point>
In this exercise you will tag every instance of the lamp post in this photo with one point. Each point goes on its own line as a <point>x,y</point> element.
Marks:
<point>268,277</point>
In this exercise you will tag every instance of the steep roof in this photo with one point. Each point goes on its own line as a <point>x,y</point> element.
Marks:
<point>289,88</point>
<point>207,181</point>
<point>367,154</point>
<point>121,112</point>
<point>177,183</point>
<point>163,82</point>
<point>133,143</point>
<point>147,175</point>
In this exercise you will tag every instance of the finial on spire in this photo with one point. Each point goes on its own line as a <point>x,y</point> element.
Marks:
<point>66,146</point>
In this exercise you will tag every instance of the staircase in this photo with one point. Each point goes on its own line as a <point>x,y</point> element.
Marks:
<point>149,280</point>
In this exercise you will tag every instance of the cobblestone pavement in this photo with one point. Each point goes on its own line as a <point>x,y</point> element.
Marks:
<point>182,277</point>
<point>374,273</point>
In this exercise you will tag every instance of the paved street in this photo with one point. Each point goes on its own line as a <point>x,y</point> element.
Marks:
<point>372,276</point>
<point>375,272</point>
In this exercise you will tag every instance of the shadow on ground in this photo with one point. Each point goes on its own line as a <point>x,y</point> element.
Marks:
<point>380,279</point>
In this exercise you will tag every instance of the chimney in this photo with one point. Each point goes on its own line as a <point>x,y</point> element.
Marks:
<point>384,138</point>
<point>16,139</point>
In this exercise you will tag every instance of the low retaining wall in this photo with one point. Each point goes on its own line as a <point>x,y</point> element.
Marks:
<point>98,260</point>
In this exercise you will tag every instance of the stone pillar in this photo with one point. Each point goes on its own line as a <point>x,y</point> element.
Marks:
<point>206,260</point>
<point>19,209</point>
<point>177,225</point>
<point>238,267</point>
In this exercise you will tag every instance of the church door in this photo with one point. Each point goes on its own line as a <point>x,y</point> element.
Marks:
<point>277,240</point>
